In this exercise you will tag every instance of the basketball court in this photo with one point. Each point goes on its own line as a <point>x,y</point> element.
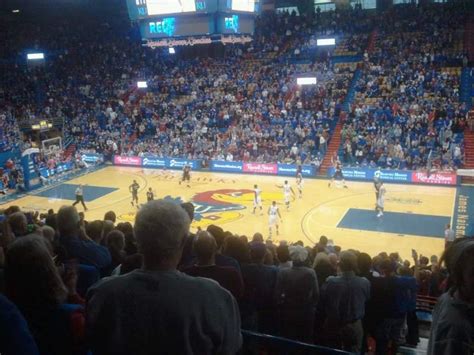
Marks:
<point>414,217</point>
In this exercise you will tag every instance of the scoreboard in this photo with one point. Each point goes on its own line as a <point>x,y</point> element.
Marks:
<point>184,18</point>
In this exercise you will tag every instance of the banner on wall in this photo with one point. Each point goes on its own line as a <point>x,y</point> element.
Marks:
<point>124,160</point>
<point>226,166</point>
<point>290,170</point>
<point>260,168</point>
<point>398,176</point>
<point>153,161</point>
<point>434,178</point>
<point>92,158</point>
<point>60,168</point>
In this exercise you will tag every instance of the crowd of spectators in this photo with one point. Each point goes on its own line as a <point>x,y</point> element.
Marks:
<point>111,287</point>
<point>407,113</point>
<point>246,105</point>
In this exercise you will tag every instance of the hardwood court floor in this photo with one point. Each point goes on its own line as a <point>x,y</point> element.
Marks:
<point>414,218</point>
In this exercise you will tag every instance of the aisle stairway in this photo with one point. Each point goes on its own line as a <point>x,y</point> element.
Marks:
<point>335,141</point>
<point>469,149</point>
<point>372,41</point>
<point>469,38</point>
<point>469,154</point>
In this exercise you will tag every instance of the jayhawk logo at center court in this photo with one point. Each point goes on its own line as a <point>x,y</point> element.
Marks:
<point>218,206</point>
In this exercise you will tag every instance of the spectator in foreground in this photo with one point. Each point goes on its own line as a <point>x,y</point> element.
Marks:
<point>157,308</point>
<point>452,330</point>
<point>343,299</point>
<point>33,283</point>
<point>205,249</point>
<point>15,337</point>
<point>77,244</point>
<point>297,295</point>
<point>259,280</point>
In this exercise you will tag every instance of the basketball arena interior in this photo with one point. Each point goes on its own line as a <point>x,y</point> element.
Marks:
<point>236,177</point>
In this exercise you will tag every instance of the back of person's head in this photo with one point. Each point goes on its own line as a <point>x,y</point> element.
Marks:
<point>161,227</point>
<point>323,240</point>
<point>94,230</point>
<point>18,223</point>
<point>333,259</point>
<point>110,216</point>
<point>189,208</point>
<point>204,246</point>
<point>387,267</point>
<point>12,209</point>
<point>130,263</point>
<point>258,252</point>
<point>298,254</point>
<point>115,240</point>
<point>68,221</point>
<point>459,259</point>
<point>50,211</point>
<point>364,263</point>
<point>51,221</point>
<point>108,227</point>
<point>283,253</point>
<point>48,233</point>
<point>130,241</point>
<point>394,257</point>
<point>31,278</point>
<point>348,261</point>
<point>321,258</point>
<point>424,261</point>
<point>237,248</point>
<point>218,234</point>
<point>257,237</point>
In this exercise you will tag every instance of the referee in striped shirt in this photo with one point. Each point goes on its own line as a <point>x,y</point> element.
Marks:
<point>80,197</point>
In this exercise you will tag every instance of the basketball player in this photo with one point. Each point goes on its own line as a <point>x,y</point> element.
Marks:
<point>338,175</point>
<point>273,213</point>
<point>257,199</point>
<point>381,200</point>
<point>186,175</point>
<point>150,195</point>
<point>80,196</point>
<point>299,184</point>
<point>377,185</point>
<point>287,190</point>
<point>134,187</point>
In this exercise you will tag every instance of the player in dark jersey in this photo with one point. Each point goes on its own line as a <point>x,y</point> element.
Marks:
<point>134,187</point>
<point>338,175</point>
<point>186,175</point>
<point>150,195</point>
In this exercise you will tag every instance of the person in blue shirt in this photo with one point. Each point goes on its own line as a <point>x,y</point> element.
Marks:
<point>15,337</point>
<point>77,244</point>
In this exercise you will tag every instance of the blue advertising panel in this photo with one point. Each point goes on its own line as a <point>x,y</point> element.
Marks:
<point>152,161</point>
<point>60,168</point>
<point>179,163</point>
<point>277,169</point>
<point>369,174</point>
<point>226,166</point>
<point>398,176</point>
<point>92,158</point>
<point>290,170</point>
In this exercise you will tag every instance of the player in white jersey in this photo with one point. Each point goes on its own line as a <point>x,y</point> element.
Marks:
<point>257,199</point>
<point>381,199</point>
<point>273,214</point>
<point>299,184</point>
<point>287,192</point>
